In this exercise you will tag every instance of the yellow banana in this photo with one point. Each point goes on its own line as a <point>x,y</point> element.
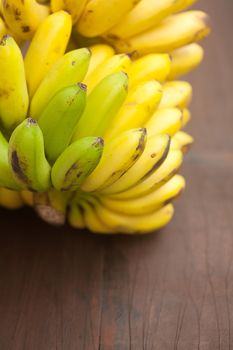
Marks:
<point>147,203</point>
<point>185,59</point>
<point>68,70</point>
<point>180,5</point>
<point>10,199</point>
<point>100,53</point>
<point>120,223</point>
<point>100,15</point>
<point>92,221</point>
<point>166,170</point>
<point>119,155</point>
<point>148,67</point>
<point>174,32</point>
<point>24,17</point>
<point>176,94</point>
<point>3,29</point>
<point>186,116</point>
<point>183,140</point>
<point>74,7</point>
<point>137,108</point>
<point>156,150</point>
<point>75,216</point>
<point>27,197</point>
<point>13,88</point>
<point>146,14</point>
<point>166,120</point>
<point>116,63</point>
<point>47,46</point>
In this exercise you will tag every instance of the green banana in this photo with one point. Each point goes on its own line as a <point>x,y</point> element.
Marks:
<point>6,177</point>
<point>60,117</point>
<point>68,70</point>
<point>27,158</point>
<point>102,105</point>
<point>76,163</point>
<point>13,88</point>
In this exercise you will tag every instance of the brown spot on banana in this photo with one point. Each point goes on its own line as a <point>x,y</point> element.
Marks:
<point>19,168</point>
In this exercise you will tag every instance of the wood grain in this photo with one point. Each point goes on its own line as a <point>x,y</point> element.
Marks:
<point>173,290</point>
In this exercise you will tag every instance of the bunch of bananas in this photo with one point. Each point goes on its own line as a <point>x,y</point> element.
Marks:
<point>90,134</point>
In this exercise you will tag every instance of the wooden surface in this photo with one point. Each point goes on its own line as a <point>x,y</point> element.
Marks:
<point>63,290</point>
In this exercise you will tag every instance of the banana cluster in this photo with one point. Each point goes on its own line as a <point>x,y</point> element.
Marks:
<point>92,135</point>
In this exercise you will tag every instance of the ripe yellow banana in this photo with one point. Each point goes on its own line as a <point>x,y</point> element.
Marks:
<point>100,53</point>
<point>91,220</point>
<point>75,216</point>
<point>116,63</point>
<point>176,94</point>
<point>154,154</point>
<point>47,46</point>
<point>165,121</point>
<point>185,59</point>
<point>166,170</point>
<point>100,15</point>
<point>174,32</point>
<point>74,7</point>
<point>10,199</point>
<point>183,140</point>
<point>146,14</point>
<point>3,29</point>
<point>119,155</point>
<point>23,17</point>
<point>13,88</point>
<point>147,203</point>
<point>151,66</point>
<point>137,108</point>
<point>120,223</point>
<point>68,70</point>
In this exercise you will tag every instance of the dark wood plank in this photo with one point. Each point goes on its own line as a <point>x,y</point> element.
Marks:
<point>64,290</point>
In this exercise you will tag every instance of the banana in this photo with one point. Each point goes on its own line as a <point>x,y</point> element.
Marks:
<point>175,31</point>
<point>100,15</point>
<point>91,220</point>
<point>119,155</point>
<point>23,17</point>
<point>183,140</point>
<point>120,223</point>
<point>116,63</point>
<point>10,199</point>
<point>26,157</point>
<point>3,29</point>
<point>6,176</point>
<point>146,14</point>
<point>166,170</point>
<point>185,117</point>
<point>47,46</point>
<point>74,7</point>
<point>51,206</point>
<point>27,197</point>
<point>151,66</point>
<point>165,121</point>
<point>147,203</point>
<point>76,163</point>
<point>185,59</point>
<point>181,5</point>
<point>68,70</point>
<point>60,117</point>
<point>75,216</point>
<point>102,105</point>
<point>154,154</point>
<point>13,88</point>
<point>176,94</point>
<point>100,53</point>
<point>137,108</point>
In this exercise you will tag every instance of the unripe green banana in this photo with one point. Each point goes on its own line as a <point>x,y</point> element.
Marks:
<point>60,117</point>
<point>27,157</point>
<point>6,177</point>
<point>102,105</point>
<point>13,88</point>
<point>76,163</point>
<point>68,70</point>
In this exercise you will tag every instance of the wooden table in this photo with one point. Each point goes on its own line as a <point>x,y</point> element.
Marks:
<point>64,290</point>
